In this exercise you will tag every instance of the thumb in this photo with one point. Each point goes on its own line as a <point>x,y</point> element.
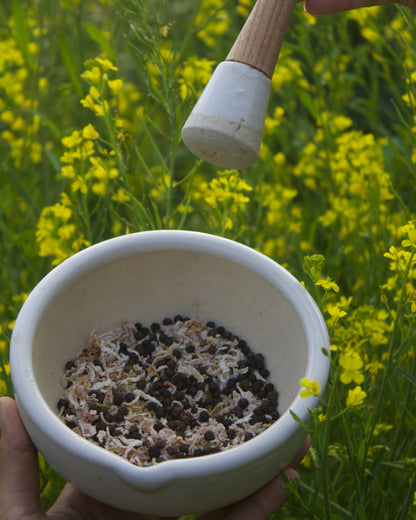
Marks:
<point>19,470</point>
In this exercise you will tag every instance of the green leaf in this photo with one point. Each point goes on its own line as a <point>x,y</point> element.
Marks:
<point>22,32</point>
<point>68,61</point>
<point>299,420</point>
<point>361,512</point>
<point>99,37</point>
<point>407,376</point>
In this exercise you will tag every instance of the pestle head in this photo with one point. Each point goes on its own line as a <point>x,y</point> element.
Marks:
<point>226,125</point>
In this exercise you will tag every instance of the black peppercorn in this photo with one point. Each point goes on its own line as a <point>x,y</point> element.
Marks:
<point>243,403</point>
<point>245,385</point>
<point>152,406</point>
<point>133,357</point>
<point>123,348</point>
<point>160,412</point>
<point>176,410</point>
<point>185,404</point>
<point>118,417</point>
<point>227,422</point>
<point>238,412</point>
<point>212,350</point>
<point>117,399</point>
<point>264,373</point>
<point>99,425</point>
<point>158,426</point>
<point>153,452</point>
<point>203,416</point>
<point>123,410</point>
<point>209,435</point>
<point>155,327</point>
<point>166,340</point>
<point>141,384</point>
<point>62,403</point>
<point>108,417</point>
<point>129,397</point>
<point>198,452</point>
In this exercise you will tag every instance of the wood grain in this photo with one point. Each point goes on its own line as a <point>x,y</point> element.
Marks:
<point>261,37</point>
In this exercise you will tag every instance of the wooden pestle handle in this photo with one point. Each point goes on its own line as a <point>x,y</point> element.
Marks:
<point>261,37</point>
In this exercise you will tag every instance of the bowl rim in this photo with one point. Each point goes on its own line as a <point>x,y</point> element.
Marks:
<point>31,402</point>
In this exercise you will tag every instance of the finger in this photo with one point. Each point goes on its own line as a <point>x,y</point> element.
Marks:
<point>261,505</point>
<point>19,469</point>
<point>269,499</point>
<point>74,504</point>
<point>300,455</point>
<point>322,7</point>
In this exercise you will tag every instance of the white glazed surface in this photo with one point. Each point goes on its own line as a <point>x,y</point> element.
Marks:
<point>226,125</point>
<point>145,277</point>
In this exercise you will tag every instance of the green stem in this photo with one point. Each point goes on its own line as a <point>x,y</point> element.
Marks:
<point>324,470</point>
<point>389,363</point>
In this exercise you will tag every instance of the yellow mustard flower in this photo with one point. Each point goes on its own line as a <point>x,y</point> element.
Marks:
<point>335,312</point>
<point>72,140</point>
<point>381,428</point>
<point>92,75</point>
<point>310,387</point>
<point>105,64</point>
<point>351,364</point>
<point>227,188</point>
<point>195,75</point>
<point>121,196</point>
<point>89,132</point>
<point>328,284</point>
<point>355,397</point>
<point>411,234</point>
<point>115,85</point>
<point>393,254</point>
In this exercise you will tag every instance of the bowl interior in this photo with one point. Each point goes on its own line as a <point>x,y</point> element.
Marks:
<point>149,286</point>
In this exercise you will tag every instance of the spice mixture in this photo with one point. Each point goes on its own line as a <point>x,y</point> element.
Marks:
<point>182,388</point>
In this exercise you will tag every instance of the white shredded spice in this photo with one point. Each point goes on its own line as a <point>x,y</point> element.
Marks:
<point>181,388</point>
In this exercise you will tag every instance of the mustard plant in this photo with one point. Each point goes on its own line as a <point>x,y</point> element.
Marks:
<point>93,96</point>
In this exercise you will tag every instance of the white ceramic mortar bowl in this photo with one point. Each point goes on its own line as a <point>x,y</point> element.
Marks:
<point>146,277</point>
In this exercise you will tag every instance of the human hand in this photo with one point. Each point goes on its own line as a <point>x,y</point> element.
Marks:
<point>20,485</point>
<point>320,7</point>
